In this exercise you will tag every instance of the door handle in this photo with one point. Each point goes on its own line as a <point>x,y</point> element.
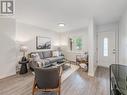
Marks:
<point>114,51</point>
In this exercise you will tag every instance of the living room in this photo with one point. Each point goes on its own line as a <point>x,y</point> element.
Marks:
<point>84,37</point>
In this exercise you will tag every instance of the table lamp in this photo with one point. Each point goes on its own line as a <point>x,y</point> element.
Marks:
<point>23,49</point>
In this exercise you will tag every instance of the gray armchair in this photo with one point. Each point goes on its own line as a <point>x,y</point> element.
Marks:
<point>47,79</point>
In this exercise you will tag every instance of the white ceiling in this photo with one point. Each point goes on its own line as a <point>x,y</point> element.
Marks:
<point>74,13</point>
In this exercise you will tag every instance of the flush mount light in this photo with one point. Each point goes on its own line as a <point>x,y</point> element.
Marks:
<point>61,25</point>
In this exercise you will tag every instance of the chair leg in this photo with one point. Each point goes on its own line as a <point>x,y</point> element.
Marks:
<point>59,91</point>
<point>32,92</point>
<point>33,89</point>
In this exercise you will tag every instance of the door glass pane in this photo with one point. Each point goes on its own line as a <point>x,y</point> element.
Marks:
<point>105,47</point>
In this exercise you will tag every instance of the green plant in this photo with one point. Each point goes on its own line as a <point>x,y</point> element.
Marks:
<point>78,43</point>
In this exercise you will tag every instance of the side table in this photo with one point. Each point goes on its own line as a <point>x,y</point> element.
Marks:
<point>23,68</point>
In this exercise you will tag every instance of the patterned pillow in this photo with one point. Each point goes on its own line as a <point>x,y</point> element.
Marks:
<point>55,53</point>
<point>47,54</point>
<point>35,57</point>
<point>46,63</point>
<point>40,55</point>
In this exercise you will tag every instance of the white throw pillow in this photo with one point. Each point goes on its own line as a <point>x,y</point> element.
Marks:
<point>40,64</point>
<point>55,53</point>
<point>36,58</point>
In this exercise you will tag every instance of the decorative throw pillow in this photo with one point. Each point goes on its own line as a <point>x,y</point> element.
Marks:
<point>36,57</point>
<point>46,63</point>
<point>56,53</point>
<point>47,54</point>
<point>40,55</point>
<point>40,64</point>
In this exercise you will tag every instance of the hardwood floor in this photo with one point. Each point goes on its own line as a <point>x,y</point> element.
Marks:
<point>79,83</point>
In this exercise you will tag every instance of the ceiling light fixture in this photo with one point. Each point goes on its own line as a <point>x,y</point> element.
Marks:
<point>61,25</point>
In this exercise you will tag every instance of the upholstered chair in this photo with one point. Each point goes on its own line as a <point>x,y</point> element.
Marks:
<point>47,79</point>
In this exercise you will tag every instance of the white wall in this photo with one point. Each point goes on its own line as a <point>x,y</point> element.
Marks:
<point>26,34</point>
<point>8,48</point>
<point>123,39</point>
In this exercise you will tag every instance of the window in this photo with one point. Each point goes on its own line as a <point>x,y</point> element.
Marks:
<point>76,43</point>
<point>105,47</point>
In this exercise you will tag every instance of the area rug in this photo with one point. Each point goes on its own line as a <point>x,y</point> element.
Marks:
<point>68,72</point>
<point>66,67</point>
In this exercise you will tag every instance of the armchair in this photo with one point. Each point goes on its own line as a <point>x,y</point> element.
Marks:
<point>47,79</point>
<point>82,61</point>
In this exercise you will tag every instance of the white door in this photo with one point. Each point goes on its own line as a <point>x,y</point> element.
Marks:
<point>106,48</point>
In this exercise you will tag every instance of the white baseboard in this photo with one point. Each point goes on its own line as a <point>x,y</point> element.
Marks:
<point>103,66</point>
<point>6,75</point>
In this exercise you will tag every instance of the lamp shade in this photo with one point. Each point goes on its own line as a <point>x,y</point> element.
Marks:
<point>23,49</point>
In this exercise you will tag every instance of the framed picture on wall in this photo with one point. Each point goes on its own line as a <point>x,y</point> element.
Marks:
<point>43,42</point>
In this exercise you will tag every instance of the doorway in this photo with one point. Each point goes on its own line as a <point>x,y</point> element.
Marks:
<point>106,48</point>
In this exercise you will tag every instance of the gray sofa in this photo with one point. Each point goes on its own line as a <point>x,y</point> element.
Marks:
<point>44,59</point>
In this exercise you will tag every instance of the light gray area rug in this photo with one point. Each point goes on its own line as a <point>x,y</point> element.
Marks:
<point>68,72</point>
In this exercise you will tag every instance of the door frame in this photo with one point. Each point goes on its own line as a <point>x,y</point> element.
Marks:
<point>116,46</point>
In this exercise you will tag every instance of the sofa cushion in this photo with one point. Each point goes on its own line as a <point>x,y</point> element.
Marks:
<point>55,59</point>
<point>46,63</point>
<point>60,57</point>
<point>47,54</point>
<point>52,59</point>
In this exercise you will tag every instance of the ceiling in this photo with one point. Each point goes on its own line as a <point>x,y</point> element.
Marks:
<point>74,13</point>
